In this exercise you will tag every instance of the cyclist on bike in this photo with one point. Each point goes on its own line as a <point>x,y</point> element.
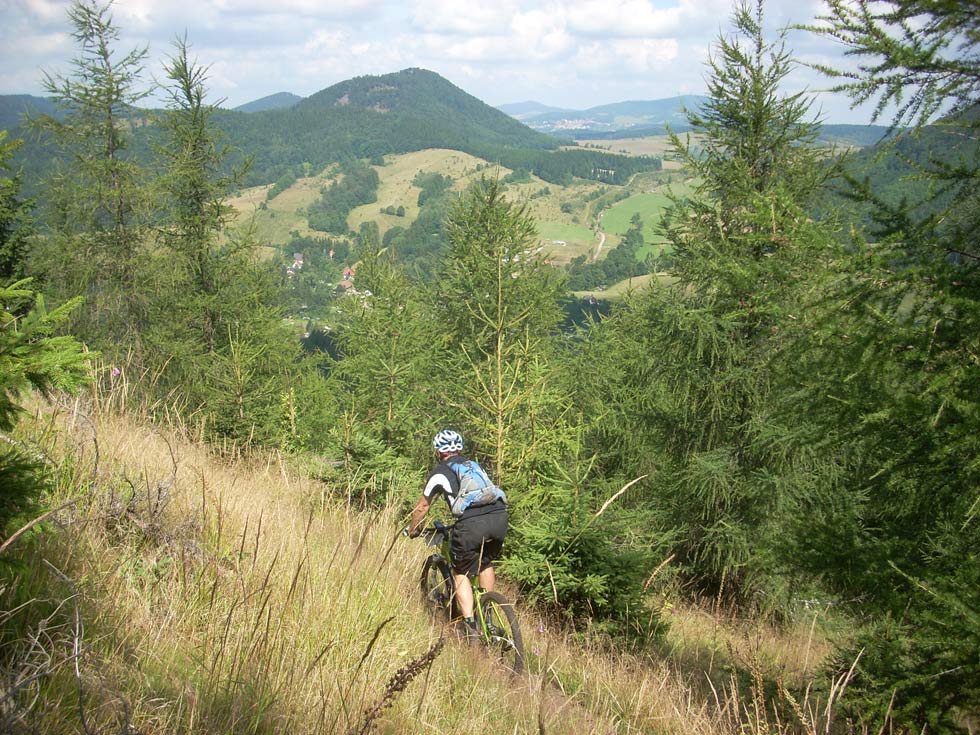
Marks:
<point>480,510</point>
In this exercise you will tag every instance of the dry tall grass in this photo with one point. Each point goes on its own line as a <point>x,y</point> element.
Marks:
<point>186,592</point>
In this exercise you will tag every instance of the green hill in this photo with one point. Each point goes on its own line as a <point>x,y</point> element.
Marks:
<point>615,117</point>
<point>892,168</point>
<point>272,102</point>
<point>13,108</point>
<point>411,110</point>
<point>371,116</point>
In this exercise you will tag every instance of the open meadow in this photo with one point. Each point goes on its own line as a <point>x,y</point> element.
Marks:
<point>562,212</point>
<point>572,220</point>
<point>284,214</point>
<point>397,190</point>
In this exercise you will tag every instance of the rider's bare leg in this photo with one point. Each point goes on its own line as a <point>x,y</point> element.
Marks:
<point>464,594</point>
<point>488,578</point>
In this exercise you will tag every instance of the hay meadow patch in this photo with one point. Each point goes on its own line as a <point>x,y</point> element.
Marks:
<point>651,145</point>
<point>564,213</point>
<point>273,221</point>
<point>397,190</point>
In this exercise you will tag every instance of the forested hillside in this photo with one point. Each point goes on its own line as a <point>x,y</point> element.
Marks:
<point>365,117</point>
<point>272,102</point>
<point>202,481</point>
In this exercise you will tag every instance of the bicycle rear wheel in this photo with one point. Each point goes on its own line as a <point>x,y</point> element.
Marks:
<point>503,630</point>
<point>437,585</point>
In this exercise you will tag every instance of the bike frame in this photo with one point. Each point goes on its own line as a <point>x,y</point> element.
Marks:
<point>440,539</point>
<point>487,605</point>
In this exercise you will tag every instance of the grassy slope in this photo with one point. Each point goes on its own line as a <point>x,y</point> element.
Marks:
<point>233,595</point>
<point>284,214</point>
<point>396,187</point>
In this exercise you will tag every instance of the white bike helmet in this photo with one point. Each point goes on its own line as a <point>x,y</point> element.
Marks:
<point>448,441</point>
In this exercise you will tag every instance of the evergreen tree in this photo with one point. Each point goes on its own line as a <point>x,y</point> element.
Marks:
<point>193,193</point>
<point>15,217</point>
<point>895,382</point>
<point>219,343</point>
<point>97,218</point>
<point>499,306</point>
<point>390,344</point>
<point>690,381</point>
<point>31,357</point>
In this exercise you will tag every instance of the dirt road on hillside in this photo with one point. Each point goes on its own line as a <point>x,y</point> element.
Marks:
<point>598,249</point>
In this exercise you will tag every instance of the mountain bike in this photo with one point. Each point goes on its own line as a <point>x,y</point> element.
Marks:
<point>495,617</point>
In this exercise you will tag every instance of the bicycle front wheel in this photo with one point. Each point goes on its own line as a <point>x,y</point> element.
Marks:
<point>437,585</point>
<point>503,631</point>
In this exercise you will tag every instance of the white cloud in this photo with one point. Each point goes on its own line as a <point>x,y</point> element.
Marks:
<point>541,34</point>
<point>623,18</point>
<point>324,40</point>
<point>626,58</point>
<point>307,8</point>
<point>464,17</point>
<point>46,11</point>
<point>643,18</point>
<point>575,53</point>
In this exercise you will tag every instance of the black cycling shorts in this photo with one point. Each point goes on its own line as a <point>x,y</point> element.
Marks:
<point>477,539</point>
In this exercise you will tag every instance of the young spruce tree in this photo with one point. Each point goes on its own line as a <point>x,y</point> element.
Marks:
<point>498,304</point>
<point>97,208</point>
<point>220,347</point>
<point>16,225</point>
<point>691,378</point>
<point>390,344</point>
<point>895,389</point>
<point>32,357</point>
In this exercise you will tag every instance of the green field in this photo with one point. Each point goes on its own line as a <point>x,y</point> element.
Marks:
<point>618,291</point>
<point>650,206</point>
<point>569,233</point>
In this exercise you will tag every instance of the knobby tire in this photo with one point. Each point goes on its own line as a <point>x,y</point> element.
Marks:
<point>498,611</point>
<point>437,586</point>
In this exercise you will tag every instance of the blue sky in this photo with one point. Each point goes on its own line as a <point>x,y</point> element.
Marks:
<point>565,53</point>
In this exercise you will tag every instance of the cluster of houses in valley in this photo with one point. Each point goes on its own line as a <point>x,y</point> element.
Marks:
<point>344,286</point>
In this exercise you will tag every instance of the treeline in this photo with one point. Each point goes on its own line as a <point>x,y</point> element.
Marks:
<point>561,167</point>
<point>792,417</point>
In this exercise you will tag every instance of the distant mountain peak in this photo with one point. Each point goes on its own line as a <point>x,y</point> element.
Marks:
<point>277,101</point>
<point>524,110</point>
<point>627,115</point>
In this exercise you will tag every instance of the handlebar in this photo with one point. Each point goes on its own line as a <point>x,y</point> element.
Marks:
<point>433,534</point>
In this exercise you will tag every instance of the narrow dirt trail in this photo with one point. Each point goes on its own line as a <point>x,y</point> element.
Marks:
<point>598,249</point>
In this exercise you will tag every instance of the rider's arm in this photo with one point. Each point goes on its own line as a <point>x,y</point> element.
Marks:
<point>421,508</point>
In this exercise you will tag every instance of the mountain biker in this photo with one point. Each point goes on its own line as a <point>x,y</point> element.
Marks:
<point>481,523</point>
